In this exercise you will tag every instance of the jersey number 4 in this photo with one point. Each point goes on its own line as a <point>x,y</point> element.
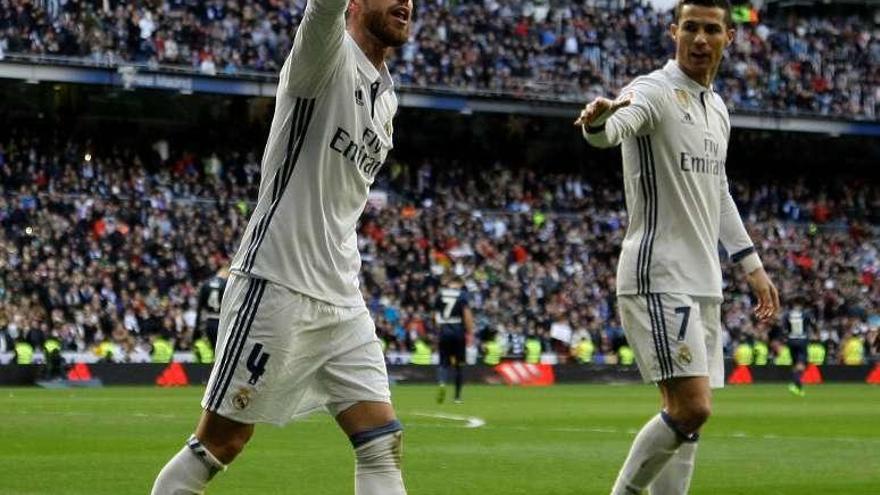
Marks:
<point>256,363</point>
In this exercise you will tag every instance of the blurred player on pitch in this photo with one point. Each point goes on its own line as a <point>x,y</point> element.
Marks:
<point>674,130</point>
<point>208,311</point>
<point>455,320</point>
<point>295,335</point>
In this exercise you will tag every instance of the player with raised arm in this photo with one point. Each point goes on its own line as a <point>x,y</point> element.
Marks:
<point>674,131</point>
<point>455,320</point>
<point>295,334</point>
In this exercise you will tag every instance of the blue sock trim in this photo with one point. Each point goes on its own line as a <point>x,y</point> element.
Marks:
<point>685,437</point>
<point>363,437</point>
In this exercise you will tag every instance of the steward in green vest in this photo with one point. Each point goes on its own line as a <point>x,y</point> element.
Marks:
<point>626,355</point>
<point>783,356</point>
<point>24,352</point>
<point>493,352</point>
<point>743,355</point>
<point>583,351</point>
<point>202,349</point>
<point>421,354</point>
<point>816,353</point>
<point>163,351</point>
<point>533,350</point>
<point>761,353</point>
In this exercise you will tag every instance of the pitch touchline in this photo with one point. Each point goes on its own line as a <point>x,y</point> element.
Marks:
<point>470,421</point>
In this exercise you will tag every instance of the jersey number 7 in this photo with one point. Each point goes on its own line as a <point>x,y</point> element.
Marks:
<point>686,313</point>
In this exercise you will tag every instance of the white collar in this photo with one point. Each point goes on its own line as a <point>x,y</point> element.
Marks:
<point>674,70</point>
<point>369,70</point>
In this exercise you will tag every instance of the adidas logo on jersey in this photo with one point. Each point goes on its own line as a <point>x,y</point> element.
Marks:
<point>687,119</point>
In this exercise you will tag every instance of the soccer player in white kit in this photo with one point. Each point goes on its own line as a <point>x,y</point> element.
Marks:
<point>295,335</point>
<point>674,130</point>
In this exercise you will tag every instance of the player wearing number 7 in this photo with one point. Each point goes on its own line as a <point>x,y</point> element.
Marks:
<point>673,130</point>
<point>455,322</point>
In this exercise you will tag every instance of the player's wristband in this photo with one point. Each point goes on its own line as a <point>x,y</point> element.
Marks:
<point>751,262</point>
<point>595,129</point>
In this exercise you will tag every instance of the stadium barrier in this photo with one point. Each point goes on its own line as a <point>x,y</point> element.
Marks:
<point>178,374</point>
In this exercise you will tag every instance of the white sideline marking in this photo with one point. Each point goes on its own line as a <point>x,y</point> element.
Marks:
<point>470,421</point>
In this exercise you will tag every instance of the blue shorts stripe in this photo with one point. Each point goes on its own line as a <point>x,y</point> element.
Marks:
<point>665,333</point>
<point>655,329</point>
<point>231,343</point>
<point>261,288</point>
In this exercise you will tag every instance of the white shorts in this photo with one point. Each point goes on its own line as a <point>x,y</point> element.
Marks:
<point>674,335</point>
<point>282,355</point>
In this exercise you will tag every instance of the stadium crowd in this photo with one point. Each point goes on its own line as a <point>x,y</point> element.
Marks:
<point>112,245</point>
<point>826,65</point>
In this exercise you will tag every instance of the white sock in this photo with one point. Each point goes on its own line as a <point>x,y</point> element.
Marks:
<point>675,478</point>
<point>652,448</point>
<point>377,466</point>
<point>188,472</point>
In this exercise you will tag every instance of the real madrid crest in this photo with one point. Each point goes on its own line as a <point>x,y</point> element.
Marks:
<point>388,128</point>
<point>242,398</point>
<point>682,97</point>
<point>684,354</point>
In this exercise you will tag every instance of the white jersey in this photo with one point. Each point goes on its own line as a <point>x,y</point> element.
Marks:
<point>329,137</point>
<point>675,135</point>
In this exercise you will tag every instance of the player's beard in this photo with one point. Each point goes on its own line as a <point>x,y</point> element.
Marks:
<point>377,22</point>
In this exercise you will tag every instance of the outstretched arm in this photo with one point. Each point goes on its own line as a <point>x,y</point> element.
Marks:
<point>317,47</point>
<point>606,123</point>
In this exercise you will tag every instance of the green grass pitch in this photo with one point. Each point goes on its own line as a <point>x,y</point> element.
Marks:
<point>565,440</point>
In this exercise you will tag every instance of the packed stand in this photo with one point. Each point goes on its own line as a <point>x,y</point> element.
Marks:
<point>573,51</point>
<point>111,246</point>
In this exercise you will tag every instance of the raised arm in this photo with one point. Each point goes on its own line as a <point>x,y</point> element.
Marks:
<point>606,123</point>
<point>317,47</point>
<point>736,241</point>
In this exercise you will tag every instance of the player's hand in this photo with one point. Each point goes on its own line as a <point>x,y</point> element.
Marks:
<point>765,291</point>
<point>601,107</point>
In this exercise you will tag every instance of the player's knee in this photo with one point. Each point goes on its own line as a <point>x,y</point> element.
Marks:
<point>697,414</point>
<point>692,416</point>
<point>226,450</point>
<point>379,450</point>
<point>228,445</point>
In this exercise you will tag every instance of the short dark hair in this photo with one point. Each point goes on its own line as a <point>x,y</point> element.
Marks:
<point>721,4</point>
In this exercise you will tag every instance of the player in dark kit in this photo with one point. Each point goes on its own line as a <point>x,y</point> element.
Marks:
<point>208,313</point>
<point>797,321</point>
<point>454,318</point>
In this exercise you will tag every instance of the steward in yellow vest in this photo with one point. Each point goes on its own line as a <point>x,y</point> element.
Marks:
<point>783,356</point>
<point>105,350</point>
<point>583,351</point>
<point>744,354</point>
<point>627,356</point>
<point>52,358</point>
<point>163,351</point>
<point>853,351</point>
<point>533,350</point>
<point>493,352</point>
<point>202,349</point>
<point>421,354</point>
<point>761,353</point>
<point>816,353</point>
<point>24,352</point>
